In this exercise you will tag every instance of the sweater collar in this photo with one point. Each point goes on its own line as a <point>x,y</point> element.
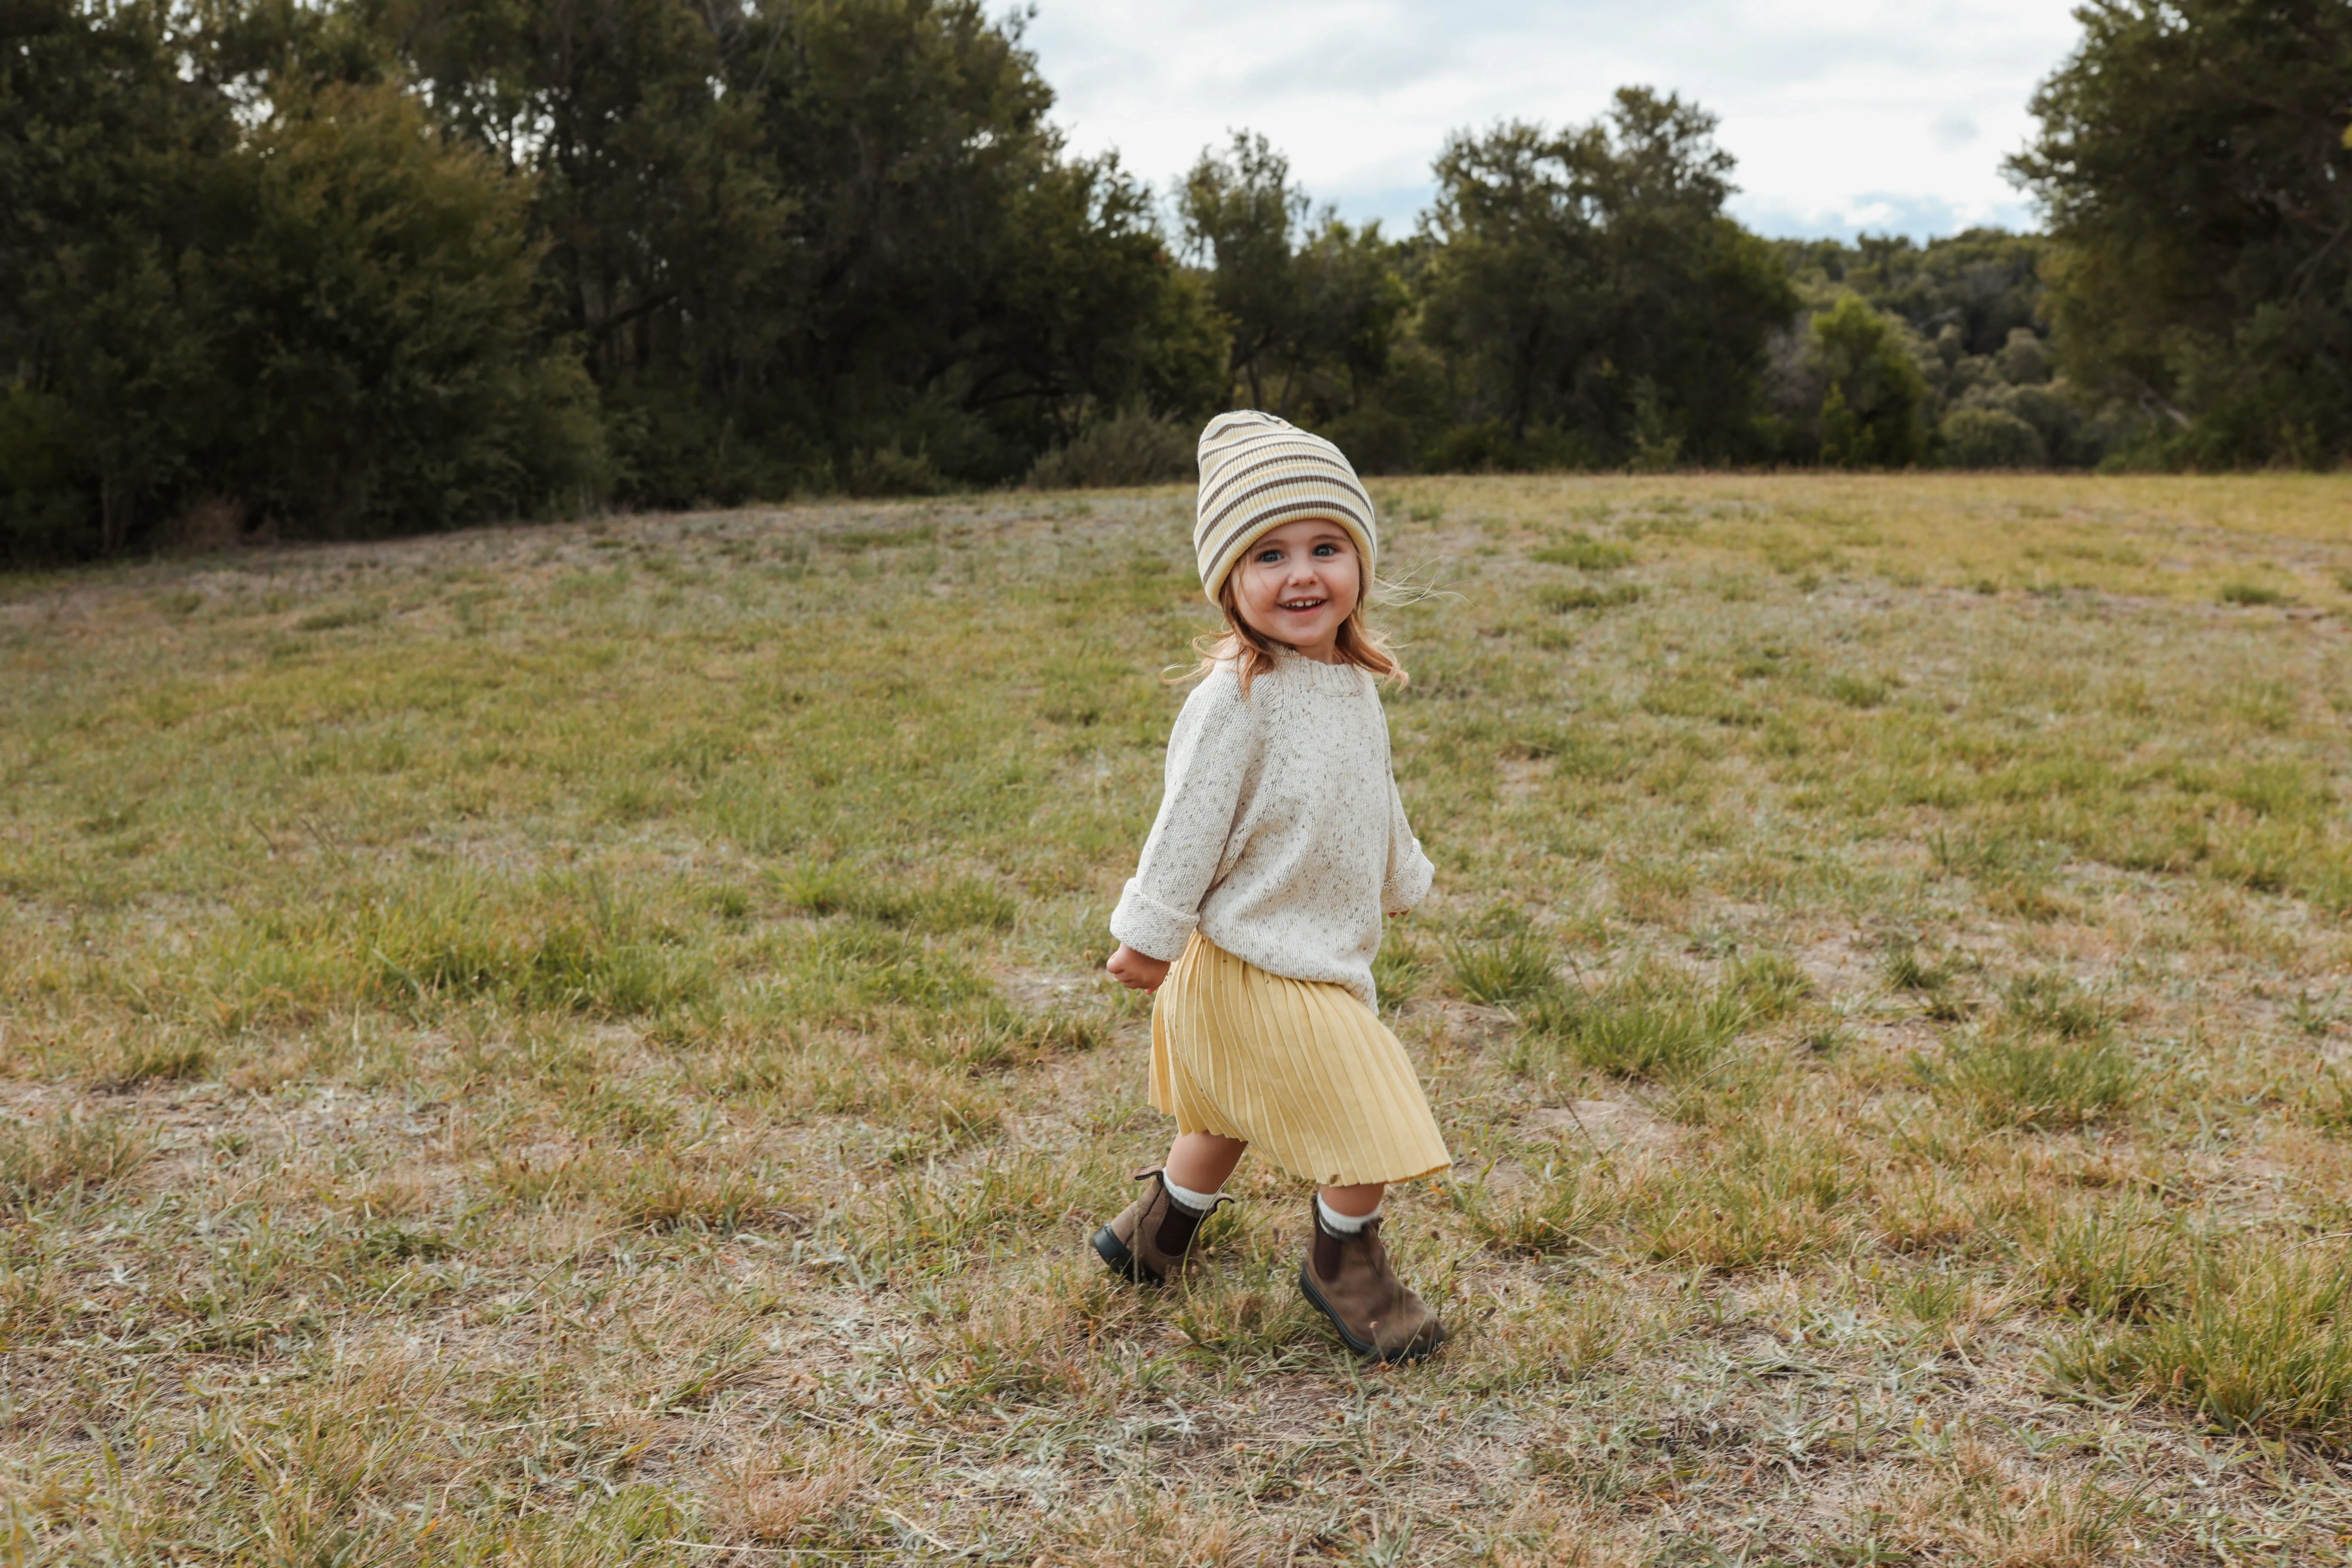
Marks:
<point>1296,668</point>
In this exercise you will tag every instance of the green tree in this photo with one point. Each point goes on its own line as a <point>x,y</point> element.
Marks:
<point>1314,306</point>
<point>1975,324</point>
<point>105,345</point>
<point>1871,414</point>
<point>1588,282</point>
<point>1240,212</point>
<point>1983,283</point>
<point>374,308</point>
<point>224,281</point>
<point>2193,162</point>
<point>1352,313</point>
<point>810,244</point>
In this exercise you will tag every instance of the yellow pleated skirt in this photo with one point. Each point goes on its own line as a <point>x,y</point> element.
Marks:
<point>1300,1069</point>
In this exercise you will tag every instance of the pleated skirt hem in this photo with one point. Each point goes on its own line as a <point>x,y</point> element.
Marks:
<point>1300,1069</point>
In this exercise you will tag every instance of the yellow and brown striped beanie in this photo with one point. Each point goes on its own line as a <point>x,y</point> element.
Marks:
<point>1257,473</point>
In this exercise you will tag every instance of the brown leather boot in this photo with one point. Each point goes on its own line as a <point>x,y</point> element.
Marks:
<point>1349,1279</point>
<point>1151,1242</point>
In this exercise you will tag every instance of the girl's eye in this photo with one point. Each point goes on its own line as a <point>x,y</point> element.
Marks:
<point>1326,550</point>
<point>1268,557</point>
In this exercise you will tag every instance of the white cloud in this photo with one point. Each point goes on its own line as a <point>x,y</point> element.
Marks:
<point>1840,117</point>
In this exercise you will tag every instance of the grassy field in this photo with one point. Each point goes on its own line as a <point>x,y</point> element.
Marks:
<point>586,1043</point>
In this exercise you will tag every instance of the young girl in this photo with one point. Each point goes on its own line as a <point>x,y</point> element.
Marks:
<point>1256,911</point>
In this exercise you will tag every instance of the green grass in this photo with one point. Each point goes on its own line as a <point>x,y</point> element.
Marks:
<point>2112,1263</point>
<point>1585,554</point>
<point>2263,1344</point>
<point>1561,598</point>
<point>1651,1022</point>
<point>65,1157</point>
<point>2328,1100</point>
<point>1401,970</point>
<point>1553,1211</point>
<point>2021,1080</point>
<point>1771,1196</point>
<point>1507,969</point>
<point>1905,970</point>
<point>587,1044</point>
<point>939,908</point>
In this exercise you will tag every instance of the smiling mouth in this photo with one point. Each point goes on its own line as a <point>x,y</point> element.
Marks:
<point>1302,604</point>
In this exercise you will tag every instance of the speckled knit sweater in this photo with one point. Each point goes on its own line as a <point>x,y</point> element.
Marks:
<point>1281,836</point>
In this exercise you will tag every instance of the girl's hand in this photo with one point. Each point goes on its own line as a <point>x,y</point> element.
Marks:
<point>1137,971</point>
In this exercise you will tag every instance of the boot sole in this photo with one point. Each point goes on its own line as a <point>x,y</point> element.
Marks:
<point>1122,1261</point>
<point>1362,1347</point>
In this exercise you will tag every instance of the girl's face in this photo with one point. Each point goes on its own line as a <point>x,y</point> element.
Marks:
<point>1298,584</point>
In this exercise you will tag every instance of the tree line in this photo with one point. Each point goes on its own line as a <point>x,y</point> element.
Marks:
<point>349,266</point>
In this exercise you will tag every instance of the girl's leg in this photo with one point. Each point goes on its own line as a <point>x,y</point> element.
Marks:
<point>1152,1237</point>
<point>1346,1273</point>
<point>1199,1162</point>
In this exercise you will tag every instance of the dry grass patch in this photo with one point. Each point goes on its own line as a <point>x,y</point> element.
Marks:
<point>584,1044</point>
<point>67,1157</point>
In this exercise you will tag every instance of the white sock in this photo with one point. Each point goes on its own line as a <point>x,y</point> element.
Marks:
<point>1185,1197</point>
<point>1340,1223</point>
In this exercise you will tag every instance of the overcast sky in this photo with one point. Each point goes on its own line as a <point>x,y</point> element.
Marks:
<point>1867,114</point>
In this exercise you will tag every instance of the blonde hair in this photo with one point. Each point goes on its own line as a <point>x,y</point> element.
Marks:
<point>1252,653</point>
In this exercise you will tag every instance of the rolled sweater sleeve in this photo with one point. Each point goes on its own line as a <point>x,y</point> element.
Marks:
<point>1409,873</point>
<point>1210,754</point>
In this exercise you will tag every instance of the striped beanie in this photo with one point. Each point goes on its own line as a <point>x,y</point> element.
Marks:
<point>1257,473</point>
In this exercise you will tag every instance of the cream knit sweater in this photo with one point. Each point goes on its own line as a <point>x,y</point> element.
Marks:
<point>1281,836</point>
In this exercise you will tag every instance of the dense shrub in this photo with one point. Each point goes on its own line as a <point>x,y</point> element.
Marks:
<point>1132,447</point>
<point>1871,414</point>
<point>1990,438</point>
